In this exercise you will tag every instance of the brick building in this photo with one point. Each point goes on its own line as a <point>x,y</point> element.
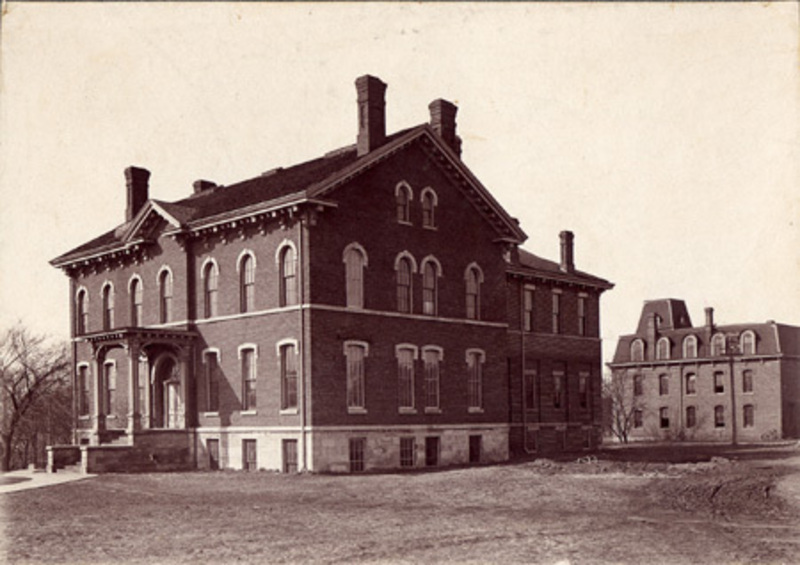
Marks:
<point>737,382</point>
<point>367,309</point>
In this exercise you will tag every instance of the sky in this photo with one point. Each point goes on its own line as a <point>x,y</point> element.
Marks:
<point>665,136</point>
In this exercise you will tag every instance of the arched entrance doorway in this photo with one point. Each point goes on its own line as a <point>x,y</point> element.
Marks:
<point>168,402</point>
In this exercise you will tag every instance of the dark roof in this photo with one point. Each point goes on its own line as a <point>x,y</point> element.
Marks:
<point>534,265</point>
<point>672,314</point>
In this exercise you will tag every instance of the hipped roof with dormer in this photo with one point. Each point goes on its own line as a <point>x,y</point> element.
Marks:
<point>311,182</point>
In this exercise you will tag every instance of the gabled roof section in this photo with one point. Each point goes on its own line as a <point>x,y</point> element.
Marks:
<point>537,267</point>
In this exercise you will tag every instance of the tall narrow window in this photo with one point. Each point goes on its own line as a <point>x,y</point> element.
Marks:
<point>428,208</point>
<point>583,389</point>
<point>247,283</point>
<point>249,457</point>
<point>581,315</point>
<point>473,278</point>
<point>83,390</point>
<point>475,359</point>
<point>558,386</point>
<point>662,348</point>
<point>355,354</point>
<point>403,200</point>
<point>748,343</point>
<point>530,387</point>
<point>210,281</point>
<point>638,385</point>
<point>747,381</point>
<point>718,345</point>
<point>357,449</point>
<point>108,307</point>
<point>288,277</point>
<point>691,383</point>
<point>407,452</point>
<point>689,347</point>
<point>212,381</point>
<point>749,416</point>
<point>663,414</point>
<point>719,417</point>
<point>405,376</point>
<point>638,419</point>
<point>136,302</point>
<point>288,377</point>
<point>719,382</point>
<point>527,310</point>
<point>404,285</point>
<point>355,259</point>
<point>82,308</point>
<point>165,296</point>
<point>248,357</point>
<point>556,313</point>
<point>637,350</point>
<point>429,288</point>
<point>663,385</point>
<point>432,357</point>
<point>691,416</point>
<point>110,385</point>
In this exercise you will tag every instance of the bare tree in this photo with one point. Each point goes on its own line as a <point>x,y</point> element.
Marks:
<point>33,372</point>
<point>620,404</point>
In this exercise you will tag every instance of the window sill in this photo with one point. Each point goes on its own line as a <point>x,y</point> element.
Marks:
<point>431,410</point>
<point>248,412</point>
<point>406,410</point>
<point>111,416</point>
<point>289,411</point>
<point>404,223</point>
<point>475,410</point>
<point>85,417</point>
<point>431,228</point>
<point>211,414</point>
<point>356,410</point>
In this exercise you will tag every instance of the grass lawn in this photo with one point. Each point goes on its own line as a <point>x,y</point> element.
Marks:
<point>627,506</point>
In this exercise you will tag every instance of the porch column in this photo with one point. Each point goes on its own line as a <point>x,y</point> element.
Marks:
<point>185,358</point>
<point>99,417</point>
<point>134,410</point>
<point>147,417</point>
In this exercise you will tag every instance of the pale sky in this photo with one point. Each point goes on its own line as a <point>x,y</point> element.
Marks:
<point>664,136</point>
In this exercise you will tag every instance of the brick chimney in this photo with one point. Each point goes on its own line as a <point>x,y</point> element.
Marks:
<point>136,180</point>
<point>710,318</point>
<point>443,122</point>
<point>567,251</point>
<point>371,113</point>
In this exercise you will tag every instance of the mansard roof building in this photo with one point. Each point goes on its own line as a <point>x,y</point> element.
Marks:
<point>731,383</point>
<point>368,309</point>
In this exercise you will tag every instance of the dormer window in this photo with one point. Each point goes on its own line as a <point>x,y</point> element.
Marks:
<point>690,347</point>
<point>403,196</point>
<point>637,350</point>
<point>747,343</point>
<point>717,345</point>
<point>429,202</point>
<point>662,348</point>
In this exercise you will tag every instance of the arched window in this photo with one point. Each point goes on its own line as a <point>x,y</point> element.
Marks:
<point>403,196</point>
<point>404,269</point>
<point>637,350</point>
<point>429,287</point>
<point>247,283</point>
<point>748,343</point>
<point>82,309</point>
<point>662,348</point>
<point>717,345</point>
<point>691,383</point>
<point>690,347</point>
<point>210,285</point>
<point>429,202</point>
<point>473,278</point>
<point>288,268</point>
<point>355,259</point>
<point>136,294</point>
<point>108,306</point>
<point>165,296</point>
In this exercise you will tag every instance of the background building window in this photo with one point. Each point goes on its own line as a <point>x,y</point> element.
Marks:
<point>108,307</point>
<point>691,383</point>
<point>662,348</point>
<point>165,296</point>
<point>581,315</point>
<point>748,343</point>
<point>719,382</point>
<point>429,288</point>
<point>288,277</point>
<point>431,358</point>
<point>530,388</point>
<point>473,281</point>
<point>407,452</point>
<point>638,385</point>
<point>690,347</point>
<point>404,285</point>
<point>663,385</point>
<point>403,201</point>
<point>475,361</point>
<point>691,416</point>
<point>717,345</point>
<point>556,313</point>
<point>136,302</point>
<point>210,290</point>
<point>83,313</point>
<point>355,260</point>
<point>248,379</point>
<point>357,449</point>
<point>637,350</point>
<point>405,376</point>
<point>558,387</point>
<point>527,310</point>
<point>428,208</point>
<point>719,417</point>
<point>637,419</point>
<point>749,416</point>
<point>212,381</point>
<point>663,416</point>
<point>355,354</point>
<point>249,457</point>
<point>747,381</point>
<point>247,284</point>
<point>583,389</point>
<point>288,377</point>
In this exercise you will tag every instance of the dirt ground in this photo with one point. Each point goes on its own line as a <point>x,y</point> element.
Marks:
<point>666,504</point>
